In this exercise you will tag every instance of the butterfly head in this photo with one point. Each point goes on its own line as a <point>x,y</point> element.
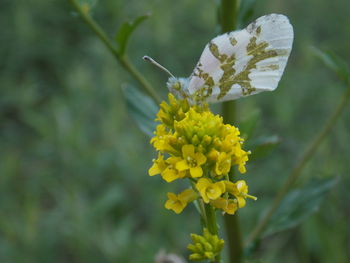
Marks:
<point>178,87</point>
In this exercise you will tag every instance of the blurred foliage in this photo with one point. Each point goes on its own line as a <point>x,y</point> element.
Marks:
<point>74,184</point>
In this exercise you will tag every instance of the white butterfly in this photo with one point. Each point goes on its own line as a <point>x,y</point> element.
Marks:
<point>239,63</point>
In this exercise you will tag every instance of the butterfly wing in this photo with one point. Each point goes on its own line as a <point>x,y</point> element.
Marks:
<point>244,62</point>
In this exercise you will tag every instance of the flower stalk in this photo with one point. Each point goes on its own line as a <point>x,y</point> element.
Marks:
<point>122,59</point>
<point>228,13</point>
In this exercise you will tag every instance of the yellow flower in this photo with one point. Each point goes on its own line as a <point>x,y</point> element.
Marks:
<point>177,203</point>
<point>158,166</point>
<point>191,161</point>
<point>240,191</point>
<point>170,173</point>
<point>229,206</point>
<point>164,140</point>
<point>223,164</point>
<point>210,191</point>
<point>240,157</point>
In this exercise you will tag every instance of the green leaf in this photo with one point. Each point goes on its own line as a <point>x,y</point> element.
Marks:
<point>333,62</point>
<point>262,146</point>
<point>299,204</point>
<point>141,108</point>
<point>246,12</point>
<point>125,31</point>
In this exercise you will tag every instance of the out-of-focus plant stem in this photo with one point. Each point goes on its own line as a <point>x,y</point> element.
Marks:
<point>123,60</point>
<point>296,172</point>
<point>228,12</point>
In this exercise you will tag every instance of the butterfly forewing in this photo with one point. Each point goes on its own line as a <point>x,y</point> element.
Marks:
<point>243,62</point>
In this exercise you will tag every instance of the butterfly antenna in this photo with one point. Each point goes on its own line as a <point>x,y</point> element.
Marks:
<point>151,60</point>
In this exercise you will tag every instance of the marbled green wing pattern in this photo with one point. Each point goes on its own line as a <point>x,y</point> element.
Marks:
<point>244,62</point>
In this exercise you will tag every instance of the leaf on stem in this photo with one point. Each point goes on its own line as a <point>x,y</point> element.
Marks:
<point>125,31</point>
<point>299,204</point>
<point>141,108</point>
<point>333,62</point>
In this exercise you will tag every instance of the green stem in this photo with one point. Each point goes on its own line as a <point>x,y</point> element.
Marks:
<point>211,224</point>
<point>295,173</point>
<point>234,238</point>
<point>228,18</point>
<point>228,14</point>
<point>123,60</point>
<point>211,217</point>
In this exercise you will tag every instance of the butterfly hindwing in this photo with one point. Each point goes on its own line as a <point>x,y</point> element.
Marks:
<point>243,62</point>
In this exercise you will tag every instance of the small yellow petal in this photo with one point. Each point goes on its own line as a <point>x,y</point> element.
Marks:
<point>196,172</point>
<point>182,165</point>
<point>203,183</point>
<point>170,175</point>
<point>154,170</point>
<point>200,158</point>
<point>188,150</point>
<point>203,193</point>
<point>241,202</point>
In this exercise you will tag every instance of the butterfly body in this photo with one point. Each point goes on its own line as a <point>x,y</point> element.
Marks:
<point>239,63</point>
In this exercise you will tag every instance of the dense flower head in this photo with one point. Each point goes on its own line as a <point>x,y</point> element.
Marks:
<point>206,246</point>
<point>194,143</point>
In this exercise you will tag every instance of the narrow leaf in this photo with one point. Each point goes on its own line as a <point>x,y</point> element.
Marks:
<point>125,31</point>
<point>262,146</point>
<point>333,62</point>
<point>299,204</point>
<point>141,108</point>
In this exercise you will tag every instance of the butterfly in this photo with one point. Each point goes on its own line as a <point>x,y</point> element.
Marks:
<point>239,63</point>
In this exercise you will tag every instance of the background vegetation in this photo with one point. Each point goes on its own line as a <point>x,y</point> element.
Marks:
<point>73,181</point>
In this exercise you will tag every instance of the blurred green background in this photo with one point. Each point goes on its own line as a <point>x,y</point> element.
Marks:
<point>74,184</point>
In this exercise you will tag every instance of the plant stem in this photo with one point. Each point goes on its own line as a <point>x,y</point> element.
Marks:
<point>234,237</point>
<point>211,217</point>
<point>228,15</point>
<point>211,224</point>
<point>228,19</point>
<point>123,60</point>
<point>305,157</point>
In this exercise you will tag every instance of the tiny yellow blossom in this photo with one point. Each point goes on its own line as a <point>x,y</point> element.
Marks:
<point>158,166</point>
<point>170,173</point>
<point>208,190</point>
<point>240,191</point>
<point>229,206</point>
<point>177,203</point>
<point>240,158</point>
<point>191,161</point>
<point>223,164</point>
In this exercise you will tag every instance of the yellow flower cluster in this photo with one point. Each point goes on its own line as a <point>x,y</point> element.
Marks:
<point>205,247</point>
<point>194,143</point>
